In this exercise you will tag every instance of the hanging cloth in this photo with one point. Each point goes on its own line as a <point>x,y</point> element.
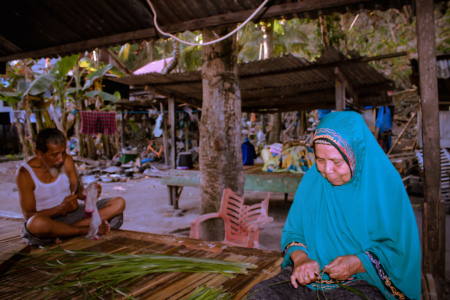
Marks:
<point>93,122</point>
<point>384,122</point>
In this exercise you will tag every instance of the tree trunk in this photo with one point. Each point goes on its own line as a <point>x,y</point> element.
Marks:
<point>78,135</point>
<point>22,138</point>
<point>220,129</point>
<point>30,132</point>
<point>106,146</point>
<point>92,151</point>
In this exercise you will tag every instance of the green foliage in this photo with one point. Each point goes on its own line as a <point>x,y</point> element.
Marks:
<point>64,65</point>
<point>249,40</point>
<point>41,84</point>
<point>96,75</point>
<point>442,15</point>
<point>133,125</point>
<point>190,56</point>
<point>124,52</point>
<point>103,95</point>
<point>378,33</point>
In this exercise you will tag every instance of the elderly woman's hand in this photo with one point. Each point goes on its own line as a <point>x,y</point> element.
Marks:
<point>305,269</point>
<point>343,267</point>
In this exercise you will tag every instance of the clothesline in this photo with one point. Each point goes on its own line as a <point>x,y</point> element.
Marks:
<point>124,111</point>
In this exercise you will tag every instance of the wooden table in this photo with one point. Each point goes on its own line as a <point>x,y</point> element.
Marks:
<point>255,180</point>
<point>164,285</point>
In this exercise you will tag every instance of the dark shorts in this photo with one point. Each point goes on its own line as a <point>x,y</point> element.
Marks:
<point>70,218</point>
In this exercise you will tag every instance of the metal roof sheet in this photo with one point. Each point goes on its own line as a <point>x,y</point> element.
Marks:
<point>46,28</point>
<point>283,83</point>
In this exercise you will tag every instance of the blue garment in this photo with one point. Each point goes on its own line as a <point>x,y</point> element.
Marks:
<point>384,122</point>
<point>323,113</point>
<point>248,153</point>
<point>370,216</point>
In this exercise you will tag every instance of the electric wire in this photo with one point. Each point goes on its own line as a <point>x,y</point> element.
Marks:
<point>210,42</point>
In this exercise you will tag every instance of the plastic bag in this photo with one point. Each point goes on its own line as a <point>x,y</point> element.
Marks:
<point>157,132</point>
<point>261,136</point>
<point>90,211</point>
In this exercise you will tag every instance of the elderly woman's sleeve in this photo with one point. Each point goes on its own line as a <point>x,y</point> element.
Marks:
<point>292,238</point>
<point>393,260</point>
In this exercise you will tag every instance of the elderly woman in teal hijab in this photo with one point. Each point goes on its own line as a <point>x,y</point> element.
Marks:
<point>351,223</point>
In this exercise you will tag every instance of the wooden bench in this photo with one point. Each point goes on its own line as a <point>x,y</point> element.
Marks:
<point>255,180</point>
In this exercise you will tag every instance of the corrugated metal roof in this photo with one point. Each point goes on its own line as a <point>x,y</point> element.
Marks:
<point>283,83</point>
<point>443,66</point>
<point>45,28</point>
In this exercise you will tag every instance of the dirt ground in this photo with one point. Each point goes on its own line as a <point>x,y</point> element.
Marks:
<point>148,208</point>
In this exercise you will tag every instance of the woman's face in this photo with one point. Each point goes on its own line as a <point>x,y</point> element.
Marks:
<point>332,165</point>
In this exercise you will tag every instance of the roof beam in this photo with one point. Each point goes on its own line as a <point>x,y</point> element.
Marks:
<point>8,44</point>
<point>82,46</point>
<point>348,87</point>
<point>273,11</point>
<point>179,97</point>
<point>298,69</point>
<point>214,21</point>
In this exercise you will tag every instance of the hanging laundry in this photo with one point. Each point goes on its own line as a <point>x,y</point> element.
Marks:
<point>384,121</point>
<point>93,122</point>
<point>158,131</point>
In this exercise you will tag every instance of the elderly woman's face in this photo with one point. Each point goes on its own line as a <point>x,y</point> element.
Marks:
<point>332,165</point>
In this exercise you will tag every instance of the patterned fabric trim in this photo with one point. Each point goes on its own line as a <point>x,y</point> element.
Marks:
<point>341,143</point>
<point>385,278</point>
<point>325,142</point>
<point>327,285</point>
<point>293,244</point>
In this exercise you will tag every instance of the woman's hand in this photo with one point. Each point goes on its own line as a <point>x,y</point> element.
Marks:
<point>343,267</point>
<point>305,269</point>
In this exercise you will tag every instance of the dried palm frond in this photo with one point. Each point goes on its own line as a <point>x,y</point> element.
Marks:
<point>93,274</point>
<point>204,292</point>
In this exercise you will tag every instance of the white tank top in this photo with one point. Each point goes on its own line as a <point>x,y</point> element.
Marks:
<point>49,195</point>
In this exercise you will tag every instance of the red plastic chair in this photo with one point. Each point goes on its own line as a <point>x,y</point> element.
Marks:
<point>242,222</point>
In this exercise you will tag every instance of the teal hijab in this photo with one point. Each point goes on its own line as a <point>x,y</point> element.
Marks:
<point>370,216</point>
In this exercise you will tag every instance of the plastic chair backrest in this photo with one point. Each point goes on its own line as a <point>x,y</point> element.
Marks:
<point>238,217</point>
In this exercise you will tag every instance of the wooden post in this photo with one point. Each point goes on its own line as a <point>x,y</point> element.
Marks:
<point>301,124</point>
<point>165,141</point>
<point>123,129</point>
<point>274,134</point>
<point>220,128</point>
<point>186,136</point>
<point>432,225</point>
<point>340,95</point>
<point>264,124</point>
<point>173,138</point>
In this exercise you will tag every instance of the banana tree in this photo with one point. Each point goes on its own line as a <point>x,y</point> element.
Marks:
<point>86,92</point>
<point>27,96</point>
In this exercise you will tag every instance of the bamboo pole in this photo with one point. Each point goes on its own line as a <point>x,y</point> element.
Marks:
<point>166,143</point>
<point>403,132</point>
